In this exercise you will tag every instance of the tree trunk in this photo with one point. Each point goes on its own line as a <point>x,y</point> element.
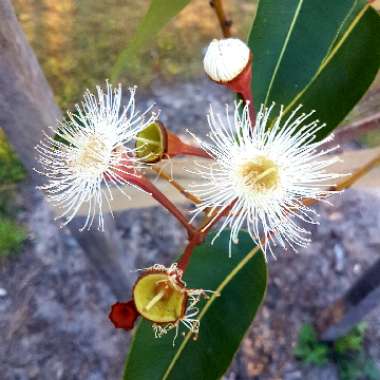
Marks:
<point>26,101</point>
<point>27,107</point>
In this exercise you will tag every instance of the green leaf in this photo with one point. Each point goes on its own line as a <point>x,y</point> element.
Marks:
<point>160,12</point>
<point>324,57</point>
<point>241,281</point>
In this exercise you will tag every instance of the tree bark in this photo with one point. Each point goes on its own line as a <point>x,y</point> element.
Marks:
<point>26,101</point>
<point>27,107</point>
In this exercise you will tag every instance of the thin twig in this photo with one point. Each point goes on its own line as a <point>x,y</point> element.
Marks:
<point>348,182</point>
<point>142,182</point>
<point>200,234</point>
<point>191,197</point>
<point>355,129</point>
<point>359,173</point>
<point>224,22</point>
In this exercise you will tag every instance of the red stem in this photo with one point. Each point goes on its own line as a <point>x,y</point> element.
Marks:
<point>199,237</point>
<point>188,150</point>
<point>185,258</point>
<point>354,130</point>
<point>248,97</point>
<point>144,184</point>
<point>242,85</point>
<point>175,147</point>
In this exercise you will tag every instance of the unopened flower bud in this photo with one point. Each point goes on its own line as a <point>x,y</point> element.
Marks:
<point>226,59</point>
<point>229,62</point>
<point>151,142</point>
<point>156,142</point>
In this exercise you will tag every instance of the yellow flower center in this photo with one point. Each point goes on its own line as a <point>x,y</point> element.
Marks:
<point>91,157</point>
<point>260,174</point>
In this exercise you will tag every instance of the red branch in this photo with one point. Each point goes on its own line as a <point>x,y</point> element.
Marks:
<point>133,177</point>
<point>355,129</point>
<point>176,147</point>
<point>200,235</point>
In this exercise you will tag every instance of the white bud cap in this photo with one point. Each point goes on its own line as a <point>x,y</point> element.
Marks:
<point>226,59</point>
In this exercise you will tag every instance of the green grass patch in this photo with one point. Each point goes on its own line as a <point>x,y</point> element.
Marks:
<point>11,236</point>
<point>11,169</point>
<point>348,353</point>
<point>309,349</point>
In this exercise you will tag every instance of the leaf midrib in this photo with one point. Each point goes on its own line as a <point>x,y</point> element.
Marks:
<point>338,31</point>
<point>281,56</point>
<point>209,302</point>
<point>328,58</point>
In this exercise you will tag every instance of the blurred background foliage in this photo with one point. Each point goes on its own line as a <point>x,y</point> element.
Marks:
<point>11,170</point>
<point>12,234</point>
<point>77,42</point>
<point>348,353</point>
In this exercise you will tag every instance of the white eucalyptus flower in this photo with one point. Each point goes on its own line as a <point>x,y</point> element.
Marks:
<point>226,59</point>
<point>88,153</point>
<point>263,173</point>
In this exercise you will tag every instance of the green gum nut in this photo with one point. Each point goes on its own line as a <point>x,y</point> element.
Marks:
<point>151,142</point>
<point>158,299</point>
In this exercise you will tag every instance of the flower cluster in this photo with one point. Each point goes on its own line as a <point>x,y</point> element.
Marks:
<point>260,173</point>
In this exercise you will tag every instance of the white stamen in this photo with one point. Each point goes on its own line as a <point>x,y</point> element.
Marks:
<point>81,169</point>
<point>266,170</point>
